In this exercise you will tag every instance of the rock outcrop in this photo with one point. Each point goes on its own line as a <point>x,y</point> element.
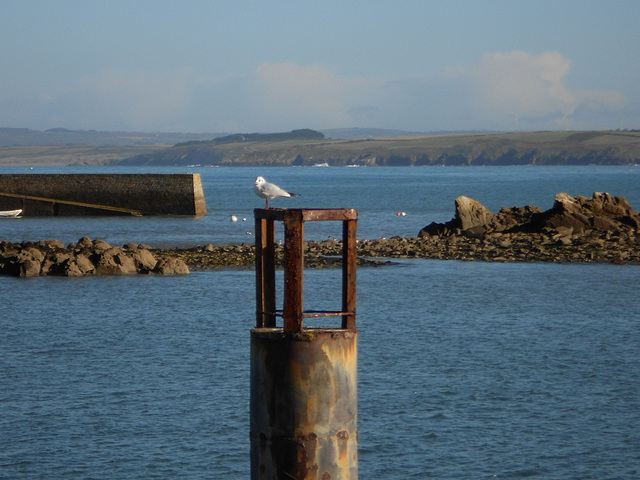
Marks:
<point>86,257</point>
<point>600,213</point>
<point>602,228</point>
<point>470,213</point>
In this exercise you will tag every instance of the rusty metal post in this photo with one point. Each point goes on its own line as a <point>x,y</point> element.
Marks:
<point>304,400</point>
<point>294,270</point>
<point>349,264</point>
<point>265,272</point>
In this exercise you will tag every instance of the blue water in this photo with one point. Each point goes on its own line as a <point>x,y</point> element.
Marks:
<point>467,370</point>
<point>425,194</point>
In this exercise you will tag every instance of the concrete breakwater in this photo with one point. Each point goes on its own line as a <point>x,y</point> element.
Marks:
<point>102,194</point>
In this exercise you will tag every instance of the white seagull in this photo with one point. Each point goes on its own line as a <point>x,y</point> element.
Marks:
<point>268,191</point>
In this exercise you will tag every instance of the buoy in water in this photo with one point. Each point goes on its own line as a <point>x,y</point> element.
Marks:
<point>401,214</point>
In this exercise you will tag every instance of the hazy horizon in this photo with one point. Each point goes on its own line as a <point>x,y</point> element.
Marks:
<point>246,66</point>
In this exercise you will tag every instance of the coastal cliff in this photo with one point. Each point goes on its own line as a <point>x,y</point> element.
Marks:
<point>311,148</point>
<point>308,147</point>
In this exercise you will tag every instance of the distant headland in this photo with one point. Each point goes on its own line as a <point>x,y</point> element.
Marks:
<point>306,147</point>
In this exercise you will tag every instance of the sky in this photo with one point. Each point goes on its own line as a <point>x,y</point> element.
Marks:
<point>256,66</point>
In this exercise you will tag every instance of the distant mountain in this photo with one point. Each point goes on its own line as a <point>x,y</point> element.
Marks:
<point>10,137</point>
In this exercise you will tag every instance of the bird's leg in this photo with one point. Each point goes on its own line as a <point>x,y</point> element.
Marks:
<point>267,208</point>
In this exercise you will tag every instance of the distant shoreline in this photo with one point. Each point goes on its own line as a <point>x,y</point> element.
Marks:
<point>536,248</point>
<point>616,147</point>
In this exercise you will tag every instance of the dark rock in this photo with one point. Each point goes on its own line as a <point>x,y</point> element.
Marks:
<point>86,257</point>
<point>101,245</point>
<point>433,229</point>
<point>171,266</point>
<point>514,218</point>
<point>35,254</point>
<point>600,228</point>
<point>567,212</point>
<point>602,212</point>
<point>144,260</point>
<point>28,266</point>
<point>77,266</point>
<point>84,265</point>
<point>471,213</point>
<point>113,261</point>
<point>84,242</point>
<point>51,244</point>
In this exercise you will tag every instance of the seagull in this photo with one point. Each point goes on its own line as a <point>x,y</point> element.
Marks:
<point>268,190</point>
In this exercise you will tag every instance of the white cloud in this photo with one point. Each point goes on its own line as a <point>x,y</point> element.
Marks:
<point>520,82</point>
<point>299,95</point>
<point>137,98</point>
<point>281,96</point>
<point>284,96</point>
<point>531,86</point>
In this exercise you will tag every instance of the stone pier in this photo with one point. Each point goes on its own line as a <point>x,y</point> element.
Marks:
<point>102,194</point>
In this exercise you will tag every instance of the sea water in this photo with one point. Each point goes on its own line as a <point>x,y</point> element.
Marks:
<point>466,369</point>
<point>425,194</point>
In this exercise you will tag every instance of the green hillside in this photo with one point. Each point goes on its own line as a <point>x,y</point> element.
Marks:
<point>309,147</point>
<point>518,148</point>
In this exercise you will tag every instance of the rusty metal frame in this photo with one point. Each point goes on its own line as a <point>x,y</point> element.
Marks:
<point>293,309</point>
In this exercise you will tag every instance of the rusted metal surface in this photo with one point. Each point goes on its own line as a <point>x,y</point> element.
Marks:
<point>329,214</point>
<point>304,398</point>
<point>294,271</point>
<point>349,262</point>
<point>304,404</point>
<point>265,273</point>
<point>309,214</point>
<point>293,310</point>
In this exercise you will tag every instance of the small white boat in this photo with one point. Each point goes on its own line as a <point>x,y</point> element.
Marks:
<point>10,213</point>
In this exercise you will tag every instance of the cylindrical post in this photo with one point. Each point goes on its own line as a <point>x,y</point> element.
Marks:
<point>304,404</point>
<point>304,401</point>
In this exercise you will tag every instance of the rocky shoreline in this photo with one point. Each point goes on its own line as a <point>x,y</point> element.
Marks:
<point>86,257</point>
<point>602,229</point>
